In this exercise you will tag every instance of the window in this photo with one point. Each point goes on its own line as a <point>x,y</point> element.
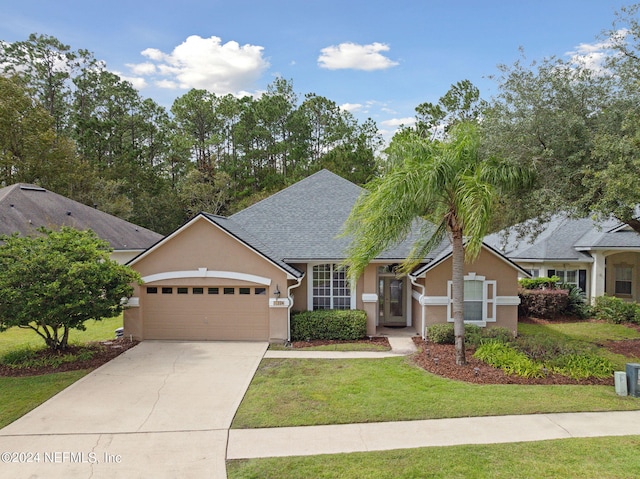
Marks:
<point>569,276</point>
<point>624,278</point>
<point>245,290</point>
<point>473,300</point>
<point>535,273</point>
<point>197,290</point>
<point>260,291</point>
<point>167,290</point>
<point>152,290</point>
<point>331,288</point>
<point>212,290</point>
<point>479,300</point>
<point>229,290</point>
<point>183,290</point>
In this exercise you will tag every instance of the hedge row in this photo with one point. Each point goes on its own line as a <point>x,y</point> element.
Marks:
<point>343,325</point>
<point>616,310</point>
<point>543,303</point>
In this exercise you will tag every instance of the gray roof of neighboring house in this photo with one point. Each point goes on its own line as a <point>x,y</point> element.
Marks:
<point>24,208</point>
<point>563,238</point>
<point>302,222</point>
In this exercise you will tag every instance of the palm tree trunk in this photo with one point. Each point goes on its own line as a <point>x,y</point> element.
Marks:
<point>457,280</point>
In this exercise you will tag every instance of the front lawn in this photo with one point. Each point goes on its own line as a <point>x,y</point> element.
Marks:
<point>586,458</point>
<point>19,395</point>
<point>18,338</point>
<point>297,392</point>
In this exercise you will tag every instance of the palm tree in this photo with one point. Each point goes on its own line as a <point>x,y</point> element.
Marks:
<point>446,188</point>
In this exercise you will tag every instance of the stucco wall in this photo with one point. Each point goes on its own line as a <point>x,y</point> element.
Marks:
<point>204,245</point>
<point>491,267</point>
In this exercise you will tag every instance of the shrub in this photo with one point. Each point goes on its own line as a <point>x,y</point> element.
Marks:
<point>578,307</point>
<point>473,335</point>
<point>511,361</point>
<point>616,310</point>
<point>441,333</point>
<point>547,348</point>
<point>539,283</point>
<point>543,303</point>
<point>581,366</point>
<point>503,335</point>
<point>329,324</point>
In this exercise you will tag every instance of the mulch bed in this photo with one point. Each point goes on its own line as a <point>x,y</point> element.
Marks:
<point>440,359</point>
<point>103,352</point>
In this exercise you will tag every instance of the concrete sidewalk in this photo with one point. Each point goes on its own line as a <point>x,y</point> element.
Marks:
<point>347,438</point>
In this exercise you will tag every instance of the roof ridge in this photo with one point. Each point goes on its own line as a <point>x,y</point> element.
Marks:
<point>297,184</point>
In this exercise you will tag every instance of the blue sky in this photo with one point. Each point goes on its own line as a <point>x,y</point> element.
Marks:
<point>379,59</point>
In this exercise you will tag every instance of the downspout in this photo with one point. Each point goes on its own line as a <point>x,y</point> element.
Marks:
<point>299,280</point>
<point>422,287</point>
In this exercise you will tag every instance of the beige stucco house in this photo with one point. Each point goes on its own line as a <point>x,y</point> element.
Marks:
<point>241,277</point>
<point>600,257</point>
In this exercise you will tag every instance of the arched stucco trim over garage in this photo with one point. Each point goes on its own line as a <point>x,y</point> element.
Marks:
<point>204,273</point>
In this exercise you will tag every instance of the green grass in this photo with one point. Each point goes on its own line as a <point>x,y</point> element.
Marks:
<point>17,338</point>
<point>592,332</point>
<point>584,458</point>
<point>20,395</point>
<point>595,333</point>
<point>297,392</point>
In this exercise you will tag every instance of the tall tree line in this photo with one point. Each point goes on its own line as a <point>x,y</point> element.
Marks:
<point>70,125</point>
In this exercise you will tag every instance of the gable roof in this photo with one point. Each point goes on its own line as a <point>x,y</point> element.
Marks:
<point>447,251</point>
<point>233,230</point>
<point>24,208</point>
<point>302,222</point>
<point>564,238</point>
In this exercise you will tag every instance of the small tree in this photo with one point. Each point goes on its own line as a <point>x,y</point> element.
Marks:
<point>57,280</point>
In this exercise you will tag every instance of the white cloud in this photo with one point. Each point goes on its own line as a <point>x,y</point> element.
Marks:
<point>593,56</point>
<point>146,68</point>
<point>137,82</point>
<point>353,56</point>
<point>205,63</point>
<point>351,107</point>
<point>396,122</point>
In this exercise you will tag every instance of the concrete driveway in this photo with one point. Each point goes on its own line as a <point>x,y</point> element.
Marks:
<point>161,409</point>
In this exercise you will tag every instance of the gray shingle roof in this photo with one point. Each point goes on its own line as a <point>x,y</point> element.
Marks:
<point>234,229</point>
<point>24,208</point>
<point>564,238</point>
<point>302,222</point>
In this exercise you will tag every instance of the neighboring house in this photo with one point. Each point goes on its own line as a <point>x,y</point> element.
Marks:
<point>25,208</point>
<point>239,278</point>
<point>599,257</point>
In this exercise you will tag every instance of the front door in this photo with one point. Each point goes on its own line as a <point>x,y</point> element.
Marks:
<point>392,296</point>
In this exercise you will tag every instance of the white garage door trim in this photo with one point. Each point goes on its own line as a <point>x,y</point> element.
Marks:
<point>204,273</point>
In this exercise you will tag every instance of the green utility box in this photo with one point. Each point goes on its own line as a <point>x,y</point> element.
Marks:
<point>633,379</point>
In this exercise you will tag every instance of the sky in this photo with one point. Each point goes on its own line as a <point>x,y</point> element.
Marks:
<point>378,59</point>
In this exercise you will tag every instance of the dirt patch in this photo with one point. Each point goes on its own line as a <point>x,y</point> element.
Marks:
<point>440,359</point>
<point>102,352</point>
<point>627,347</point>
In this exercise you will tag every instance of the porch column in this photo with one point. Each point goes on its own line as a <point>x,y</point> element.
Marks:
<point>597,275</point>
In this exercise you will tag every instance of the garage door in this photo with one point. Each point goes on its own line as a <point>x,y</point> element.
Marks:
<point>206,313</point>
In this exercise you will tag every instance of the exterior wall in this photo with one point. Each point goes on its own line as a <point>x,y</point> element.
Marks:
<point>300,293</point>
<point>203,245</point>
<point>629,259</point>
<point>368,285</point>
<point>492,268</point>
<point>124,256</point>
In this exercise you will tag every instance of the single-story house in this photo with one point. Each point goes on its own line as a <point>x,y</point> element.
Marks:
<point>241,277</point>
<point>600,257</point>
<point>24,208</point>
